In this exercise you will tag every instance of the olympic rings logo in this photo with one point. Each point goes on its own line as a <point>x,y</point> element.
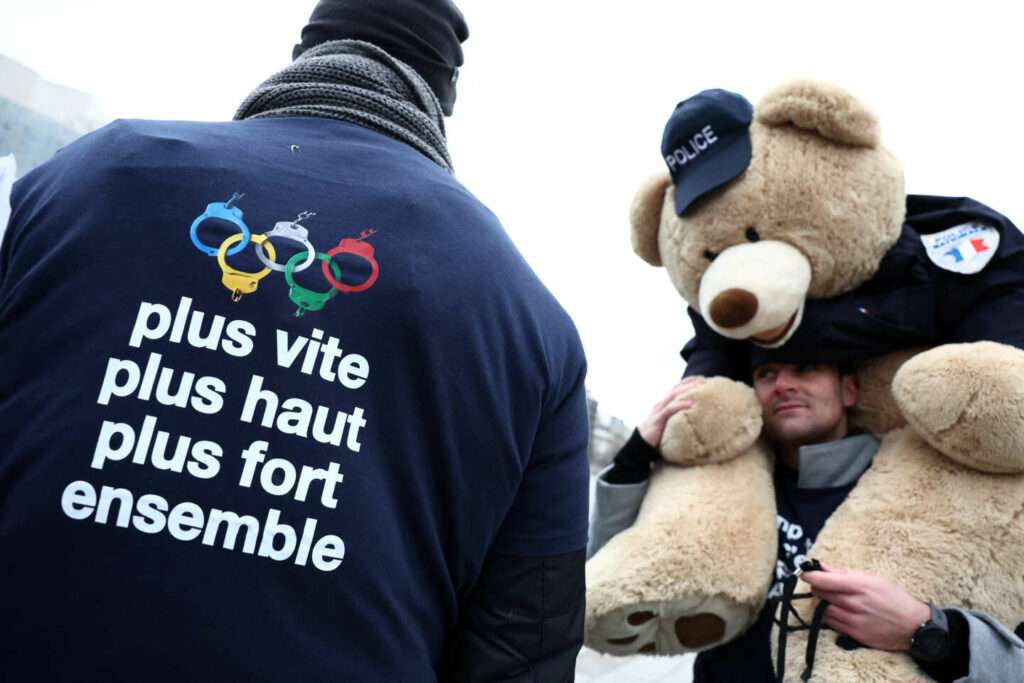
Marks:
<point>240,283</point>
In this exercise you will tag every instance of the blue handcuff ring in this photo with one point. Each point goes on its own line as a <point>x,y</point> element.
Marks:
<point>224,212</point>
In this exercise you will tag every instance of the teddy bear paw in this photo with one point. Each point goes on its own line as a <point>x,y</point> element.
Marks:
<point>966,401</point>
<point>669,629</point>
<point>723,422</point>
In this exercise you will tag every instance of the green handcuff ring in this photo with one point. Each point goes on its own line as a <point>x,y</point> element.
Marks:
<point>307,299</point>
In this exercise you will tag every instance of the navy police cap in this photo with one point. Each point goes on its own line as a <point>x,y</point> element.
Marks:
<point>706,143</point>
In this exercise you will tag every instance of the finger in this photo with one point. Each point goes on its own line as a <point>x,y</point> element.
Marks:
<point>673,408</point>
<point>691,382</point>
<point>837,620</point>
<point>823,594</point>
<point>829,581</point>
<point>829,568</point>
<point>844,613</point>
<point>673,393</point>
<point>846,601</point>
<point>686,384</point>
<point>678,390</point>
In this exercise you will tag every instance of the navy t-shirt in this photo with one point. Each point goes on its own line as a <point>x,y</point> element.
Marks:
<point>197,482</point>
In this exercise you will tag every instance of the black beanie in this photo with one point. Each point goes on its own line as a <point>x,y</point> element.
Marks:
<point>425,34</point>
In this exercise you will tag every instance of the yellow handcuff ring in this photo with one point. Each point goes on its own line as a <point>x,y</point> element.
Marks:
<point>240,282</point>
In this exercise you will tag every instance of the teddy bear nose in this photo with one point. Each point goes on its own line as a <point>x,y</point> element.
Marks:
<point>733,308</point>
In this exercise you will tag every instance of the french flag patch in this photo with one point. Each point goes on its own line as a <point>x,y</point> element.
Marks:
<point>963,249</point>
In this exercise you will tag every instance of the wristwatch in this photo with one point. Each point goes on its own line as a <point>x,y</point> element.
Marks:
<point>932,641</point>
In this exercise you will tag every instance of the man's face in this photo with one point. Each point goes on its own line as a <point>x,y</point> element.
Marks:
<point>804,404</point>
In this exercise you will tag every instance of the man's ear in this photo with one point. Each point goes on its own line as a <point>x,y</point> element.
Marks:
<point>822,107</point>
<point>849,388</point>
<point>645,216</point>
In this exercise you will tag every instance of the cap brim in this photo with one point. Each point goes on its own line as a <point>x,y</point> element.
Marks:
<point>730,160</point>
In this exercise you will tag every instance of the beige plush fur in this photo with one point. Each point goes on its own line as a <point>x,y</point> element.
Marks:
<point>646,210</point>
<point>965,399</point>
<point>699,436</point>
<point>877,411</point>
<point>949,534</point>
<point>677,512</point>
<point>940,510</point>
<point>823,107</point>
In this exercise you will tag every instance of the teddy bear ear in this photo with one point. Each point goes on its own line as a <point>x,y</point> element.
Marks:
<point>823,107</point>
<point>645,216</point>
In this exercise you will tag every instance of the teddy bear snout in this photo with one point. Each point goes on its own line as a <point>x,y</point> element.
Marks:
<point>756,291</point>
<point>733,308</point>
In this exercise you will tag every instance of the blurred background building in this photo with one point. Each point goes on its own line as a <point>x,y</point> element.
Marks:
<point>607,434</point>
<point>38,117</point>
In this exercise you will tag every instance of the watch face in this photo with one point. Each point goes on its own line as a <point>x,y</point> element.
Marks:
<point>931,643</point>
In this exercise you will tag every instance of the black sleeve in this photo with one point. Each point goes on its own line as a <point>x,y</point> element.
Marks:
<point>522,622</point>
<point>710,354</point>
<point>958,663</point>
<point>632,464</point>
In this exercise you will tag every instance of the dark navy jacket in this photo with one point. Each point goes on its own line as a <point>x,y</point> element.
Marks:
<point>198,488</point>
<point>909,302</point>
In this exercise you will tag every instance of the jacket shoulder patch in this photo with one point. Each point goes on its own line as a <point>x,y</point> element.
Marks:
<point>965,249</point>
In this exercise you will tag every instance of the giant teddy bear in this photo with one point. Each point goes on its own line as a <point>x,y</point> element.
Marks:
<point>810,245</point>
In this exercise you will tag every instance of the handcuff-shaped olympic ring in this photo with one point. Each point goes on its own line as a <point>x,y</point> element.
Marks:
<point>224,211</point>
<point>359,248</point>
<point>240,283</point>
<point>289,231</point>
<point>307,299</point>
<point>237,281</point>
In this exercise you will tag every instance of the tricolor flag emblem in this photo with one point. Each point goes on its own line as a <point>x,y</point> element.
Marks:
<point>963,249</point>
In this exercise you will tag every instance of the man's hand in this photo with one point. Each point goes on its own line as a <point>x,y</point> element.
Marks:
<point>868,607</point>
<point>652,428</point>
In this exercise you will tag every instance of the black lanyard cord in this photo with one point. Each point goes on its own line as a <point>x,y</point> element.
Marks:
<point>785,609</point>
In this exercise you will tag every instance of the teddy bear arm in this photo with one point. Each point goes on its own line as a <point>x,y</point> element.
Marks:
<point>693,570</point>
<point>967,402</point>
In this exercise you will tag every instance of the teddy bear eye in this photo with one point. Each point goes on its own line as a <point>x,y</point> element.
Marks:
<point>710,255</point>
<point>752,235</point>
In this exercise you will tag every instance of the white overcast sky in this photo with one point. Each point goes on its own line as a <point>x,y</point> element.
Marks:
<point>561,107</point>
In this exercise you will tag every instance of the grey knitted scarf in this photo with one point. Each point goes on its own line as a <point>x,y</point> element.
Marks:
<point>355,81</point>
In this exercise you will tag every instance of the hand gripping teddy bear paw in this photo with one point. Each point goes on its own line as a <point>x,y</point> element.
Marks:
<point>792,236</point>
<point>643,594</point>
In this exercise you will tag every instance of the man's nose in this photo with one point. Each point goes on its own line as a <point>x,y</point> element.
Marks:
<point>784,381</point>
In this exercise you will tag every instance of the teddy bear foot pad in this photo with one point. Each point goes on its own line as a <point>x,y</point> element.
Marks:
<point>668,629</point>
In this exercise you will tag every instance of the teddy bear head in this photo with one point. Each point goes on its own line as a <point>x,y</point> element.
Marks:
<point>764,208</point>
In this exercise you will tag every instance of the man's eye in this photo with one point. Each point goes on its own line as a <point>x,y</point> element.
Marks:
<point>763,374</point>
<point>808,367</point>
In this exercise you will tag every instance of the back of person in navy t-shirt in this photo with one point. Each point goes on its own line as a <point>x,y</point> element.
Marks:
<point>279,397</point>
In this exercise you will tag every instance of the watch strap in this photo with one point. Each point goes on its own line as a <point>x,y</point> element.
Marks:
<point>937,619</point>
<point>932,637</point>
